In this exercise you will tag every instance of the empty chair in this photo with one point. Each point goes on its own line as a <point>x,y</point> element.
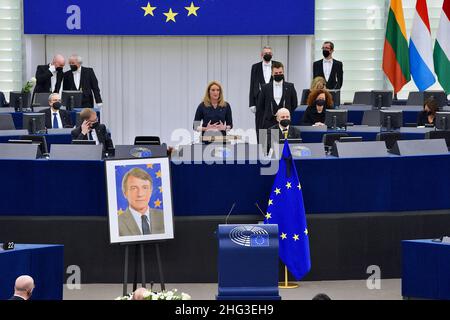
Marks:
<point>6,122</point>
<point>41,99</point>
<point>389,138</point>
<point>147,140</point>
<point>362,97</point>
<point>328,139</point>
<point>439,135</point>
<point>371,118</point>
<point>305,94</point>
<point>415,98</point>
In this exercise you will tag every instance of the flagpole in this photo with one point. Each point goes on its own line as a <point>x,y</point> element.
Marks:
<point>286,284</point>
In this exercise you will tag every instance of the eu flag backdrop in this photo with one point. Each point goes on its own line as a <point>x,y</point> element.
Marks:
<point>169,17</point>
<point>286,209</point>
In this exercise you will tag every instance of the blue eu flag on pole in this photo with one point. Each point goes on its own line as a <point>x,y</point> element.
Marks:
<point>286,209</point>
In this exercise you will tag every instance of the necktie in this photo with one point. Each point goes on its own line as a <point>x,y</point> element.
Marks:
<point>145,225</point>
<point>55,121</point>
<point>90,136</point>
<point>285,133</point>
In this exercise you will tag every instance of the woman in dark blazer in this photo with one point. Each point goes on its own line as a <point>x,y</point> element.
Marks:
<point>428,115</point>
<point>318,102</point>
<point>214,113</point>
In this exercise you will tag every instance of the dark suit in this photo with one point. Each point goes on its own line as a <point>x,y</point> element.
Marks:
<point>336,76</point>
<point>16,298</point>
<point>293,133</point>
<point>88,85</point>
<point>268,107</point>
<point>44,80</point>
<point>256,82</point>
<point>65,118</point>
<point>102,135</point>
<point>3,102</point>
<point>422,119</point>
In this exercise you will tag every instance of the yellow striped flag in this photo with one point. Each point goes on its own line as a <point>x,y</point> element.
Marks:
<point>395,54</point>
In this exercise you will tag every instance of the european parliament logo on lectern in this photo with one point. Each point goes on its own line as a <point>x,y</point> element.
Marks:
<point>248,254</point>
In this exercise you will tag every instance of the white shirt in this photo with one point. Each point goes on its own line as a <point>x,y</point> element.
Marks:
<point>267,71</point>
<point>327,66</point>
<point>137,217</point>
<point>94,136</point>
<point>277,91</point>
<point>58,116</point>
<point>53,79</point>
<point>77,78</point>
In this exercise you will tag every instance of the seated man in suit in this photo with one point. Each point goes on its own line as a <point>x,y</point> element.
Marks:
<point>276,95</point>
<point>284,128</point>
<point>49,77</point>
<point>82,79</point>
<point>55,118</point>
<point>329,68</point>
<point>139,218</point>
<point>91,129</point>
<point>23,288</point>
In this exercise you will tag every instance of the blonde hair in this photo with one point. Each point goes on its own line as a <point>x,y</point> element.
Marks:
<point>315,82</point>
<point>206,98</point>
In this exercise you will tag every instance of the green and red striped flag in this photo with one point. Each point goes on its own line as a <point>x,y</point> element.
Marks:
<point>441,53</point>
<point>395,54</point>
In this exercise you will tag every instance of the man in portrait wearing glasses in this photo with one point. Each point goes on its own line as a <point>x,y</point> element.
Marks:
<point>329,68</point>
<point>139,218</point>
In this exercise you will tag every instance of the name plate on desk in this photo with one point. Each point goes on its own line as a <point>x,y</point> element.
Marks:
<point>60,131</point>
<point>18,151</point>
<point>359,149</point>
<point>76,152</point>
<point>420,147</point>
<point>13,133</point>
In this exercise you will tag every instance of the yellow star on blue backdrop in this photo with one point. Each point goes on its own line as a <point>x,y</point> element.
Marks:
<point>170,15</point>
<point>192,10</point>
<point>148,9</point>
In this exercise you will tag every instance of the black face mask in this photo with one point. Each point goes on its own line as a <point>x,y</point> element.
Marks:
<point>95,125</point>
<point>267,57</point>
<point>278,77</point>
<point>57,105</point>
<point>326,53</point>
<point>285,122</point>
<point>59,69</point>
<point>73,67</point>
<point>320,102</point>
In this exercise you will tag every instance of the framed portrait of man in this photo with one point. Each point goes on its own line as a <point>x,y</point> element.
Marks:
<point>139,200</point>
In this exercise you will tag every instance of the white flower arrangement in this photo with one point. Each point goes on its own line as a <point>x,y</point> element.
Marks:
<point>29,85</point>
<point>163,295</point>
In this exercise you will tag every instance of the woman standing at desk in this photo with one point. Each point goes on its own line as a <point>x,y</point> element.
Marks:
<point>318,102</point>
<point>428,115</point>
<point>214,112</point>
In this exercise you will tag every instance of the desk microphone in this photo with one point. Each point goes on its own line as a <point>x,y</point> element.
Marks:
<point>256,204</point>
<point>228,215</point>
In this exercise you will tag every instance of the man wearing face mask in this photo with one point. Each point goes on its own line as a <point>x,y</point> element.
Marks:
<point>284,127</point>
<point>261,74</point>
<point>55,118</point>
<point>274,96</point>
<point>329,68</point>
<point>83,79</point>
<point>49,77</point>
<point>91,129</point>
